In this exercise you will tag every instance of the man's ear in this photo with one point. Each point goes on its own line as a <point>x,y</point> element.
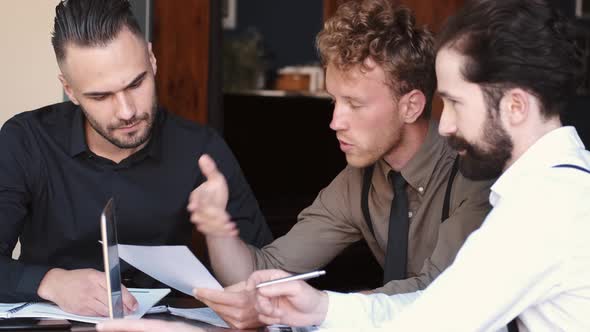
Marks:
<point>411,106</point>
<point>515,106</point>
<point>152,58</point>
<point>68,89</point>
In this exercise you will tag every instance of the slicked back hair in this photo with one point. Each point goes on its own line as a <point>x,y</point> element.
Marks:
<point>90,23</point>
<point>516,44</point>
<point>386,34</point>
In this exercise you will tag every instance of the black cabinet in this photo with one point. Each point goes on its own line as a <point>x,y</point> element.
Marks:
<point>288,154</point>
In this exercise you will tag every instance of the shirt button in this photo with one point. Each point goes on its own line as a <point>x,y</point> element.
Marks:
<point>421,189</point>
<point>410,214</point>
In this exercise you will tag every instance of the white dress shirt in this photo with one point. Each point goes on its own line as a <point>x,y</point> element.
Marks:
<point>530,258</point>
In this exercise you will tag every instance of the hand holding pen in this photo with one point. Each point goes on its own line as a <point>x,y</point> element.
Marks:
<point>302,276</point>
<point>282,298</point>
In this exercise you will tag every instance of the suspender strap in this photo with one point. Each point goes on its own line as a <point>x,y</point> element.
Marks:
<point>512,326</point>
<point>367,177</point>
<point>572,166</point>
<point>447,201</point>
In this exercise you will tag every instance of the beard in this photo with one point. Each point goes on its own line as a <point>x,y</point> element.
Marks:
<point>481,163</point>
<point>129,141</point>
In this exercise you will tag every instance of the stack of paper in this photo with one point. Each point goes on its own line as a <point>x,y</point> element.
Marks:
<point>178,268</point>
<point>201,314</point>
<point>175,266</point>
<point>146,299</point>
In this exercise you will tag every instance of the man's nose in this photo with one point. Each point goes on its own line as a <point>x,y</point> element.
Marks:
<point>447,124</point>
<point>125,108</point>
<point>338,118</point>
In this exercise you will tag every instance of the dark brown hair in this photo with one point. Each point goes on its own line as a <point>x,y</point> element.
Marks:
<point>516,43</point>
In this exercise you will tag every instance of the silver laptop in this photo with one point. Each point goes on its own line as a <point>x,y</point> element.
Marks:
<point>108,230</point>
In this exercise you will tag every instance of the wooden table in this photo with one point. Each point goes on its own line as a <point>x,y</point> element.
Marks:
<point>174,302</point>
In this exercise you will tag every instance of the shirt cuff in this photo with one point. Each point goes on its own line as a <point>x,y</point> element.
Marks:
<point>29,284</point>
<point>340,305</point>
<point>359,310</point>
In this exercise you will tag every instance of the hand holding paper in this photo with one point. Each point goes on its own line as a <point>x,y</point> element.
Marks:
<point>235,304</point>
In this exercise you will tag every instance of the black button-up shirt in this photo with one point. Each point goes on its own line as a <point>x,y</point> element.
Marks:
<point>53,189</point>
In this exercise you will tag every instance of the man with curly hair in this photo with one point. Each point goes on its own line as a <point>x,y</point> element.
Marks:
<point>400,191</point>
<point>380,74</point>
<point>506,71</point>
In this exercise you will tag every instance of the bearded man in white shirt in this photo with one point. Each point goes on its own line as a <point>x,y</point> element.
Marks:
<point>505,71</point>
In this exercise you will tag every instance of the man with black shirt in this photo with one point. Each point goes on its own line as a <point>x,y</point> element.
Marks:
<point>60,164</point>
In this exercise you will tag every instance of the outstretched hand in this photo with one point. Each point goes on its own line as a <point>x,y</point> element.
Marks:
<point>207,203</point>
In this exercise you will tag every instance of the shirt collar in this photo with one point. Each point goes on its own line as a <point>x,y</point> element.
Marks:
<point>154,146</point>
<point>78,137</point>
<point>548,151</point>
<point>418,171</point>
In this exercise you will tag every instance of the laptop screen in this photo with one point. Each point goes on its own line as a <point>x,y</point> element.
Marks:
<point>108,229</point>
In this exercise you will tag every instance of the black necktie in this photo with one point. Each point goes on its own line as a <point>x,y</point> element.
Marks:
<point>396,257</point>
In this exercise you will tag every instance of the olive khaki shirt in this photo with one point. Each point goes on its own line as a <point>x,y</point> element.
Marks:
<point>335,219</point>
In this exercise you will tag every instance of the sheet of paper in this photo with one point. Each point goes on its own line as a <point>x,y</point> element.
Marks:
<point>146,298</point>
<point>5,307</point>
<point>174,266</point>
<point>201,314</point>
<point>283,328</point>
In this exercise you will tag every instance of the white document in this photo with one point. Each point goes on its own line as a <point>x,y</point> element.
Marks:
<point>282,328</point>
<point>146,299</point>
<point>205,315</point>
<point>201,314</point>
<point>174,266</point>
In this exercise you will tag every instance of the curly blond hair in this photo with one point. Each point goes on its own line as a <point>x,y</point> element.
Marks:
<point>386,34</point>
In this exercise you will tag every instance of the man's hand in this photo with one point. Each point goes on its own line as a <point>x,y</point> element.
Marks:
<point>207,203</point>
<point>234,304</point>
<point>145,325</point>
<point>81,292</point>
<point>292,303</point>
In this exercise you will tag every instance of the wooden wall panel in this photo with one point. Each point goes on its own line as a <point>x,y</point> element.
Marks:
<point>180,42</point>
<point>181,45</point>
<point>330,7</point>
<point>433,13</point>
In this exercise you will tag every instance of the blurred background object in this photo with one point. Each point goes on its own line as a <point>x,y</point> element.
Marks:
<point>301,78</point>
<point>243,61</point>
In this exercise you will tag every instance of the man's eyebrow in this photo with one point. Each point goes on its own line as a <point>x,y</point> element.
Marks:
<point>353,99</point>
<point>444,94</point>
<point>136,80</point>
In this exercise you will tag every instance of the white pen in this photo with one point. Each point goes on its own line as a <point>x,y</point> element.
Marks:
<point>303,276</point>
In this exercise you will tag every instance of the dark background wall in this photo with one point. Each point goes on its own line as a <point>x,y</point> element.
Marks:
<point>142,9</point>
<point>288,28</point>
<point>567,7</point>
